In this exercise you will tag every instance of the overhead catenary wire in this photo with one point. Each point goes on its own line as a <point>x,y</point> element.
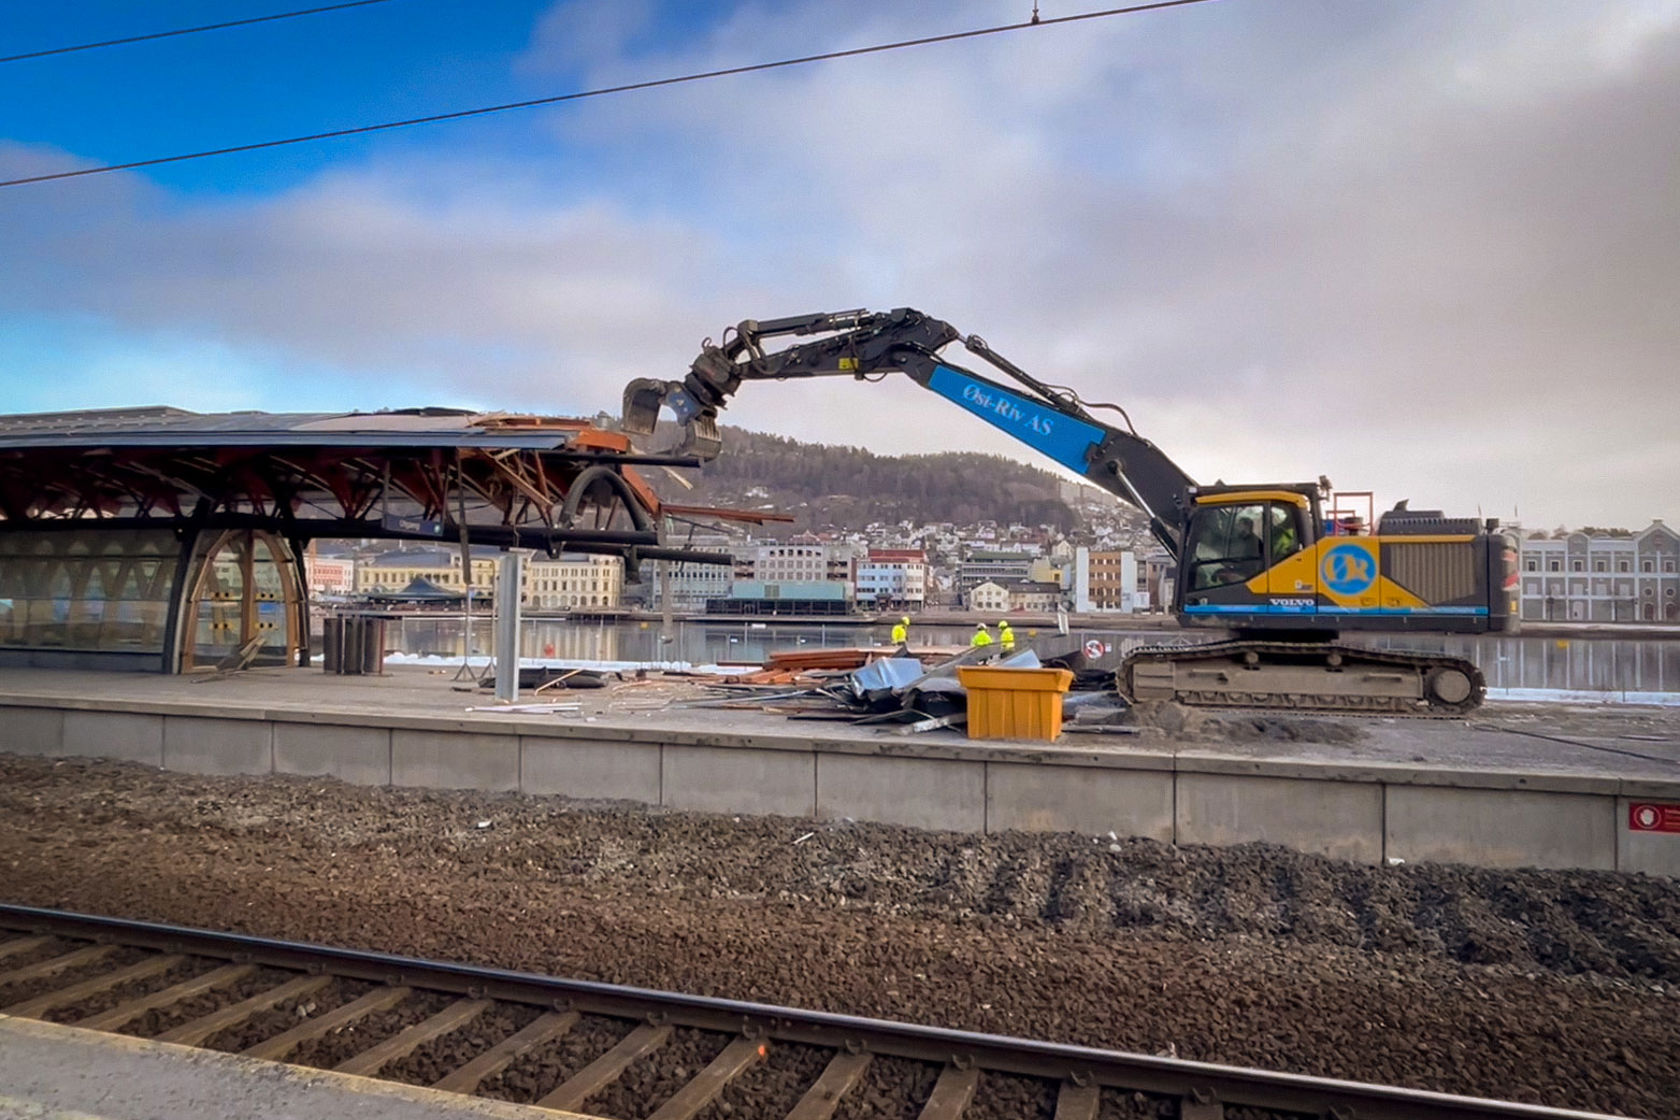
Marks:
<point>49,52</point>
<point>603,91</point>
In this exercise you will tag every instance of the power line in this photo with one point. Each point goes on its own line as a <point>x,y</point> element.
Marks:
<point>601,92</point>
<point>188,30</point>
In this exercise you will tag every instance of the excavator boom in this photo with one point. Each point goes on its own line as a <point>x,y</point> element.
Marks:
<point>861,344</point>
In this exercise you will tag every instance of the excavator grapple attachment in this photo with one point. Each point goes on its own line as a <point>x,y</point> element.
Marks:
<point>645,396</point>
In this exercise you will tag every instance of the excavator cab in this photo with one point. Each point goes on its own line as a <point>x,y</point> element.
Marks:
<point>1244,563</point>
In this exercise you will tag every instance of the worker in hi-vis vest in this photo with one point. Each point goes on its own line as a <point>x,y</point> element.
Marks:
<point>982,636</point>
<point>901,632</point>
<point>1006,636</point>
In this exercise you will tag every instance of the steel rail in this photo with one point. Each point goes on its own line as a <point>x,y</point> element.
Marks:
<point>1207,1086</point>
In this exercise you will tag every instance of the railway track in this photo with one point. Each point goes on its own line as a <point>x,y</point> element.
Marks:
<point>649,1055</point>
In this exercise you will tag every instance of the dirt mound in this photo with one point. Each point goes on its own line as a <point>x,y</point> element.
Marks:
<point>1170,718</point>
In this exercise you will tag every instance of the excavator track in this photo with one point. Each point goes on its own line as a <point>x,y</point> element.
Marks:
<point>1305,677</point>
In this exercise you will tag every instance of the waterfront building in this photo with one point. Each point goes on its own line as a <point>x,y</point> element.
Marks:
<point>329,574</point>
<point>573,582</point>
<point>984,565</point>
<point>1036,596</point>
<point>1602,577</point>
<point>1105,580</point>
<point>396,568</point>
<point>987,598</point>
<point>790,597</point>
<point>893,578</point>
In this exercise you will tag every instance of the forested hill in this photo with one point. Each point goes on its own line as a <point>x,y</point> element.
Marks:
<point>828,486</point>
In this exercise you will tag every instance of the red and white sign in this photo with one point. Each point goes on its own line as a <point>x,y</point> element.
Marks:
<point>1653,816</point>
<point>1095,649</point>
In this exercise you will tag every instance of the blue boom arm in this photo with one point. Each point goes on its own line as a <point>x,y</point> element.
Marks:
<point>862,344</point>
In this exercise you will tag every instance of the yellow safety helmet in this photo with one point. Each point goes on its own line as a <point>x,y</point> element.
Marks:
<point>905,620</point>
<point>1003,622</point>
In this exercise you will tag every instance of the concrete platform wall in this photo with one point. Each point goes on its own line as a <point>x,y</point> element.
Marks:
<point>1364,813</point>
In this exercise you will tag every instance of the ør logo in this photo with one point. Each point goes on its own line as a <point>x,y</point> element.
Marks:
<point>1348,569</point>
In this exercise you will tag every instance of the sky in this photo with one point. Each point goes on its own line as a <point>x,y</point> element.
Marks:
<point>1422,247</point>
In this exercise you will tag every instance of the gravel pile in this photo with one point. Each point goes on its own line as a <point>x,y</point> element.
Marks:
<point>1554,987</point>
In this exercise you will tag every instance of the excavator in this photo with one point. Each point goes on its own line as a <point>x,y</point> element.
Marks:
<point>1260,562</point>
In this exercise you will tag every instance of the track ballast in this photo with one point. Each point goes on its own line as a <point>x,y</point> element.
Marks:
<point>203,988</point>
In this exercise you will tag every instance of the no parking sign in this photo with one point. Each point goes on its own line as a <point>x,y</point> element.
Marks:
<point>1095,649</point>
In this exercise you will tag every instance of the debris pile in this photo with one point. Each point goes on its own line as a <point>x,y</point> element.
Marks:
<point>919,691</point>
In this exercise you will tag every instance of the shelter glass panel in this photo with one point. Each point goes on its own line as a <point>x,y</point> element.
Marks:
<point>219,604</point>
<point>86,589</point>
<point>268,590</point>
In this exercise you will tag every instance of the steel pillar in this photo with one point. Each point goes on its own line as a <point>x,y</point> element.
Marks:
<point>509,578</point>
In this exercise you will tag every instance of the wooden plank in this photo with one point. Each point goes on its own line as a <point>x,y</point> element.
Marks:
<point>126,1013</point>
<point>1078,1102</point>
<point>606,1069</point>
<point>951,1094</point>
<point>276,1048</point>
<point>543,1029</point>
<point>92,954</point>
<point>75,993</point>
<point>823,1097</point>
<point>376,1058</point>
<point>709,1082</point>
<point>198,1030</point>
<point>21,945</point>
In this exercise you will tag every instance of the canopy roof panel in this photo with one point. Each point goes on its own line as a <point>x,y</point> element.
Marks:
<point>423,473</point>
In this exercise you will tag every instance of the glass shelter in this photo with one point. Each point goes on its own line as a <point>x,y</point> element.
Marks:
<point>91,596</point>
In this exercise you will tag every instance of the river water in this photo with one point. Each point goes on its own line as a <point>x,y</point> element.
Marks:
<point>1592,664</point>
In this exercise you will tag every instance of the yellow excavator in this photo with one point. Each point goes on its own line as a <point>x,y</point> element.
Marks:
<point>1260,562</point>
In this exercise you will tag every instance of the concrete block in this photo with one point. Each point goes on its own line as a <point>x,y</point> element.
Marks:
<point>132,736</point>
<point>590,769</point>
<point>361,755</point>
<point>1501,828</point>
<point>454,760</point>
<point>919,792</point>
<point>1655,853</point>
<point>724,780</point>
<point>1339,819</point>
<point>205,745</point>
<point>1079,799</point>
<point>37,731</point>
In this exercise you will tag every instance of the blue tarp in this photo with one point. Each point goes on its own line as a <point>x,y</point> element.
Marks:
<point>889,673</point>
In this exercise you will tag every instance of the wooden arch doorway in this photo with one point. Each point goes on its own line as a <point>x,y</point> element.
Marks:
<point>246,589</point>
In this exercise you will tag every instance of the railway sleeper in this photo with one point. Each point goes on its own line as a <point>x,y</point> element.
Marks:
<point>1076,1078</point>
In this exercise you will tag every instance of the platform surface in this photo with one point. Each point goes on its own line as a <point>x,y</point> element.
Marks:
<point>54,1072</point>
<point>1501,740</point>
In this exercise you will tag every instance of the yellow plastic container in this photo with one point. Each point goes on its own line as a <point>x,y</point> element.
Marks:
<point>1014,703</point>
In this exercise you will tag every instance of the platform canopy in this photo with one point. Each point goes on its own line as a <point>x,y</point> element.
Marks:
<point>425,473</point>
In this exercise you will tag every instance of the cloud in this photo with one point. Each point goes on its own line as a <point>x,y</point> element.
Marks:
<point>1425,249</point>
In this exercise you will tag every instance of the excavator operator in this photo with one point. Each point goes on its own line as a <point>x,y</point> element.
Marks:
<point>1246,559</point>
